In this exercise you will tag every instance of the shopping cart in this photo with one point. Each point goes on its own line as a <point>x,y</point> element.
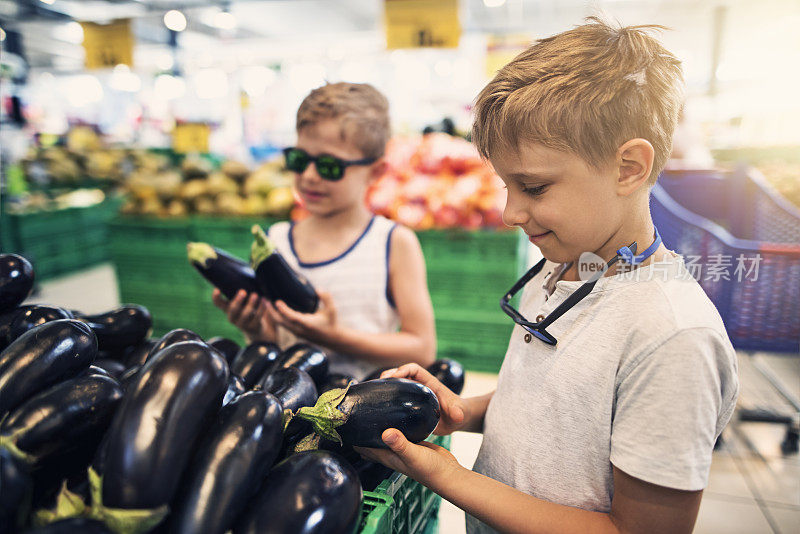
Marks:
<point>731,219</point>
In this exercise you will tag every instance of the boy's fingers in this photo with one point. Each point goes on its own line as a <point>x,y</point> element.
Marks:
<point>218,300</point>
<point>396,441</point>
<point>235,308</point>
<point>250,307</point>
<point>388,373</point>
<point>289,313</point>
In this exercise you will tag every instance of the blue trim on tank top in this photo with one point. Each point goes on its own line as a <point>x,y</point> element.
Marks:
<point>388,247</point>
<point>326,262</point>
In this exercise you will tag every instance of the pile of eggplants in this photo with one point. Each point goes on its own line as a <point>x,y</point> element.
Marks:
<point>104,429</point>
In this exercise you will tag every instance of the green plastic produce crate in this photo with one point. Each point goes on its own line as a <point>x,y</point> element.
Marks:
<point>59,242</point>
<point>400,505</point>
<point>468,272</point>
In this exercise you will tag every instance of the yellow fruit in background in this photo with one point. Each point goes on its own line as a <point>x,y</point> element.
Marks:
<point>280,201</point>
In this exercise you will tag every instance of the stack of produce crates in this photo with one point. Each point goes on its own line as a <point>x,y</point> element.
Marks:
<point>468,273</point>
<point>400,505</point>
<point>62,241</point>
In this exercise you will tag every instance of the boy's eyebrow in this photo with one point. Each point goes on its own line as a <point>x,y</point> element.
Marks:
<point>532,175</point>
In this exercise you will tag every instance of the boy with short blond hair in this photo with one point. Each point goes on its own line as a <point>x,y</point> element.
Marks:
<point>370,272</point>
<point>615,386</point>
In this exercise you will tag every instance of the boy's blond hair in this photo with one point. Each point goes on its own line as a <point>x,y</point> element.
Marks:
<point>587,91</point>
<point>361,110</point>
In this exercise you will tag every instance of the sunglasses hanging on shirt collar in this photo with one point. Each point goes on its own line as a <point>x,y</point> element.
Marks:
<point>539,329</point>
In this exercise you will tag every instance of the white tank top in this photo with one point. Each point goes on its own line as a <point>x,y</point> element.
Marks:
<point>358,281</point>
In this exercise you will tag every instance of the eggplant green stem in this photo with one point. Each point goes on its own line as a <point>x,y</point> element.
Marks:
<point>200,253</point>
<point>325,415</point>
<point>308,443</point>
<point>68,504</point>
<point>262,246</point>
<point>9,443</point>
<point>122,521</point>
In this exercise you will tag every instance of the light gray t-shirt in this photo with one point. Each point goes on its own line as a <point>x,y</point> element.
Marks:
<point>643,377</point>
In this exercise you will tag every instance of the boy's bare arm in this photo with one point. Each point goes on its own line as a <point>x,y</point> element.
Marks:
<point>637,506</point>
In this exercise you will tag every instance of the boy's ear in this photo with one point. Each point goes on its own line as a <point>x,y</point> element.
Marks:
<point>635,160</point>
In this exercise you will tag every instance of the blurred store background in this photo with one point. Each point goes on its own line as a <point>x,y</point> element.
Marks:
<point>129,127</point>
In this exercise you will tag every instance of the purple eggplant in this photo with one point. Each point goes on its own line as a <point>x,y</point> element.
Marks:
<point>6,320</point>
<point>313,492</point>
<point>16,489</point>
<point>43,356</point>
<point>32,317</point>
<point>170,338</point>
<point>71,412</point>
<point>225,272</point>
<point>16,281</point>
<point>112,367</point>
<point>235,388</point>
<point>124,327</point>
<point>129,376</point>
<point>292,387</point>
<point>448,372</point>
<point>137,355</point>
<point>276,280</point>
<point>358,415</point>
<point>229,465</point>
<point>228,347</point>
<point>73,525</point>
<point>309,359</point>
<point>168,406</point>
<point>337,381</point>
<point>254,361</point>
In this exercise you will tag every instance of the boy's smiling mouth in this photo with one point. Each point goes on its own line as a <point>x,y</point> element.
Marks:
<point>312,195</point>
<point>534,238</point>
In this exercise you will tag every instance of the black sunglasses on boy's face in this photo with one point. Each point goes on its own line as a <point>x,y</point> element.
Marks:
<point>328,167</point>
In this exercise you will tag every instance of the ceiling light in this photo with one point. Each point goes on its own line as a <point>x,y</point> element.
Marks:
<point>493,3</point>
<point>224,20</point>
<point>175,20</point>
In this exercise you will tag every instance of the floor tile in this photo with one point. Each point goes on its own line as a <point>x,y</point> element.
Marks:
<point>724,517</point>
<point>787,520</point>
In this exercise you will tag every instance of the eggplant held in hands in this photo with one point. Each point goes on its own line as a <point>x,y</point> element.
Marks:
<point>225,272</point>
<point>360,413</point>
<point>276,280</point>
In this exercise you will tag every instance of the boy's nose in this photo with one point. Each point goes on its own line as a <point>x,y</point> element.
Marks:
<point>310,173</point>
<point>515,212</point>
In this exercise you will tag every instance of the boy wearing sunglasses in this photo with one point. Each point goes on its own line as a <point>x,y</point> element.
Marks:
<point>615,385</point>
<point>370,273</point>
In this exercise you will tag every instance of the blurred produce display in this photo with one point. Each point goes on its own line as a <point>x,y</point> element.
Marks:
<point>196,187</point>
<point>780,165</point>
<point>438,181</point>
<point>784,177</point>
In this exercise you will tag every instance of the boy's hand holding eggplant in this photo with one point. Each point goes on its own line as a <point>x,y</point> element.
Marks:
<point>455,411</point>
<point>320,327</point>
<point>248,312</point>
<point>426,462</point>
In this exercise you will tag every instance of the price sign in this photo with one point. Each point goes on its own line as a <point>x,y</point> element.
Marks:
<point>422,23</point>
<point>190,137</point>
<point>108,45</point>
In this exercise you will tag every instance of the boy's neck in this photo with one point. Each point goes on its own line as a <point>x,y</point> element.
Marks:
<point>356,216</point>
<point>643,234</point>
